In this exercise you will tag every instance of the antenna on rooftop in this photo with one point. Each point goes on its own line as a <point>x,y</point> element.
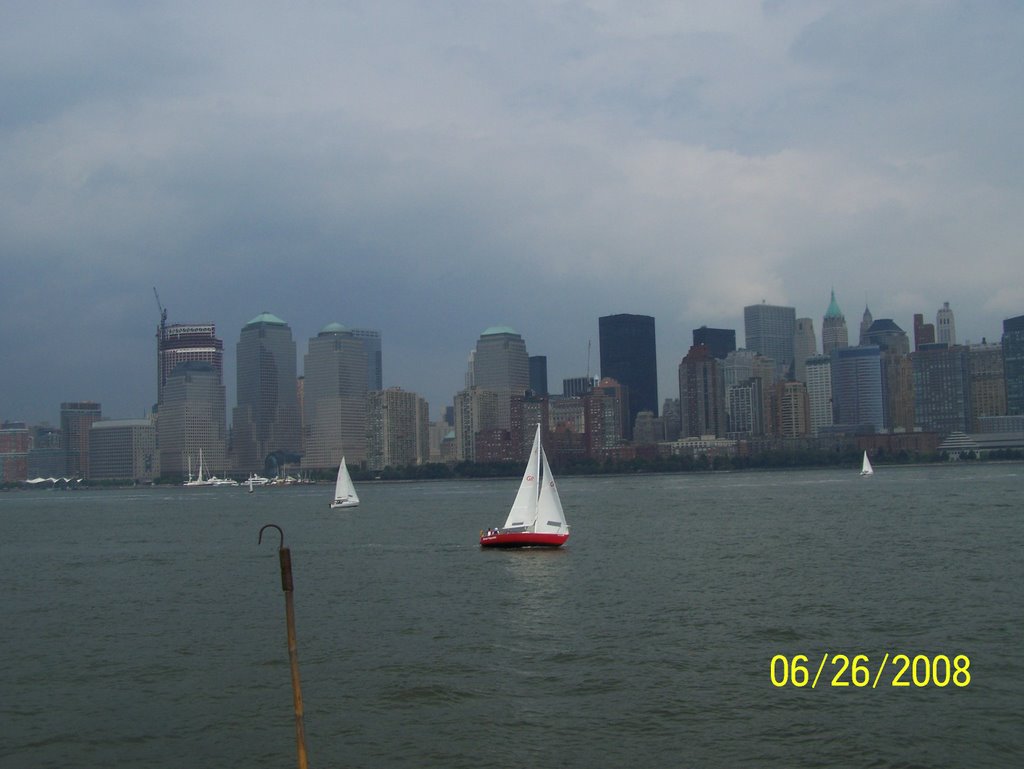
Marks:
<point>588,360</point>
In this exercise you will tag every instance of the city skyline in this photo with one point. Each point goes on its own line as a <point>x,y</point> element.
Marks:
<point>408,168</point>
<point>668,381</point>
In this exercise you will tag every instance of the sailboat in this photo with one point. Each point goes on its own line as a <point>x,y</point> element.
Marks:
<point>344,492</point>
<point>866,471</point>
<point>536,518</point>
<point>199,481</point>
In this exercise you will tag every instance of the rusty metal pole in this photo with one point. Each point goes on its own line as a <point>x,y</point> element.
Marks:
<point>293,650</point>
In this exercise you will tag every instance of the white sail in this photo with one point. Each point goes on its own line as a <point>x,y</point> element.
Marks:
<point>550,519</point>
<point>524,508</point>
<point>344,490</point>
<point>537,507</point>
<point>866,468</point>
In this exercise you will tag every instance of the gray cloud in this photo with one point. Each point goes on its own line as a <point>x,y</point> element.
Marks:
<point>432,169</point>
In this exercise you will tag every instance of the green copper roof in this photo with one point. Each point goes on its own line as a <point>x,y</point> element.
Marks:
<point>499,330</point>
<point>334,328</point>
<point>266,317</point>
<point>833,310</point>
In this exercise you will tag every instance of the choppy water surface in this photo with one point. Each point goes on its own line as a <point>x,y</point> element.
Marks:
<point>146,628</point>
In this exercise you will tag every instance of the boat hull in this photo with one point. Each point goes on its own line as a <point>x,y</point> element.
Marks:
<point>523,539</point>
<point>344,503</point>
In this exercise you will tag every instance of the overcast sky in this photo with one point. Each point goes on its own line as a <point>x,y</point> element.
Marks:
<point>430,169</point>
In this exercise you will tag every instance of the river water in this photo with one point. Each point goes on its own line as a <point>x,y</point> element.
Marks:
<point>147,628</point>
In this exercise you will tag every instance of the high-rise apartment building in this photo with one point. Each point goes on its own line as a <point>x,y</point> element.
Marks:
<point>528,411</point>
<point>76,417</point>
<point>744,405</point>
<point>942,391</point>
<point>792,410</point>
<point>502,366</point>
<point>857,388</point>
<point>819,392</point>
<point>183,342</point>
<point>805,345</point>
<point>605,415</point>
<point>265,423</point>
<point>398,429</point>
<point>192,422</point>
<point>719,341</point>
<point>335,398</point>
<point>833,328</point>
<point>701,394</point>
<point>476,410</point>
<point>770,330</point>
<point>1013,363</point>
<point>945,325</point>
<point>629,356</point>
<point>988,383</point>
<point>924,333</point>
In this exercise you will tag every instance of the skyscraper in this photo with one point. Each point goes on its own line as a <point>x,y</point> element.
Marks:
<point>833,328</point>
<point>265,423</point>
<point>942,390</point>
<point>897,377</point>
<point>719,341</point>
<point>865,323</point>
<point>770,330</point>
<point>701,394</point>
<point>805,345</point>
<point>988,383</point>
<point>398,433</point>
<point>1013,363</point>
<point>924,333</point>
<point>502,366</point>
<point>183,342</point>
<point>945,325</point>
<point>75,420</point>
<point>629,356</point>
<point>857,388</point>
<point>819,392</point>
<point>539,375</point>
<point>192,421</point>
<point>374,357</point>
<point>335,398</point>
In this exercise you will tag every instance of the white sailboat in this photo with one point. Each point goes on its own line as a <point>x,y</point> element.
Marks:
<point>344,492</point>
<point>866,470</point>
<point>536,518</point>
<point>198,480</point>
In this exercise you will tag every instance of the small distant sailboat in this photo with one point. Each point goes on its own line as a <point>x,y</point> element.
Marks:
<point>536,518</point>
<point>866,470</point>
<point>344,491</point>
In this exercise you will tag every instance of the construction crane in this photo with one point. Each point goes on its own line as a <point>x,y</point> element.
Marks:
<point>161,336</point>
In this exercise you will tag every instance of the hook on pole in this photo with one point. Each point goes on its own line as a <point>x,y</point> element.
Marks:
<point>259,541</point>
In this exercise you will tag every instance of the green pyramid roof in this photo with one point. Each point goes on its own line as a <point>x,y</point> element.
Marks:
<point>266,317</point>
<point>499,330</point>
<point>833,310</point>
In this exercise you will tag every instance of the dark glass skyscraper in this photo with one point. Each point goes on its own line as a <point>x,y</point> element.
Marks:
<point>266,419</point>
<point>628,355</point>
<point>1013,363</point>
<point>719,341</point>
